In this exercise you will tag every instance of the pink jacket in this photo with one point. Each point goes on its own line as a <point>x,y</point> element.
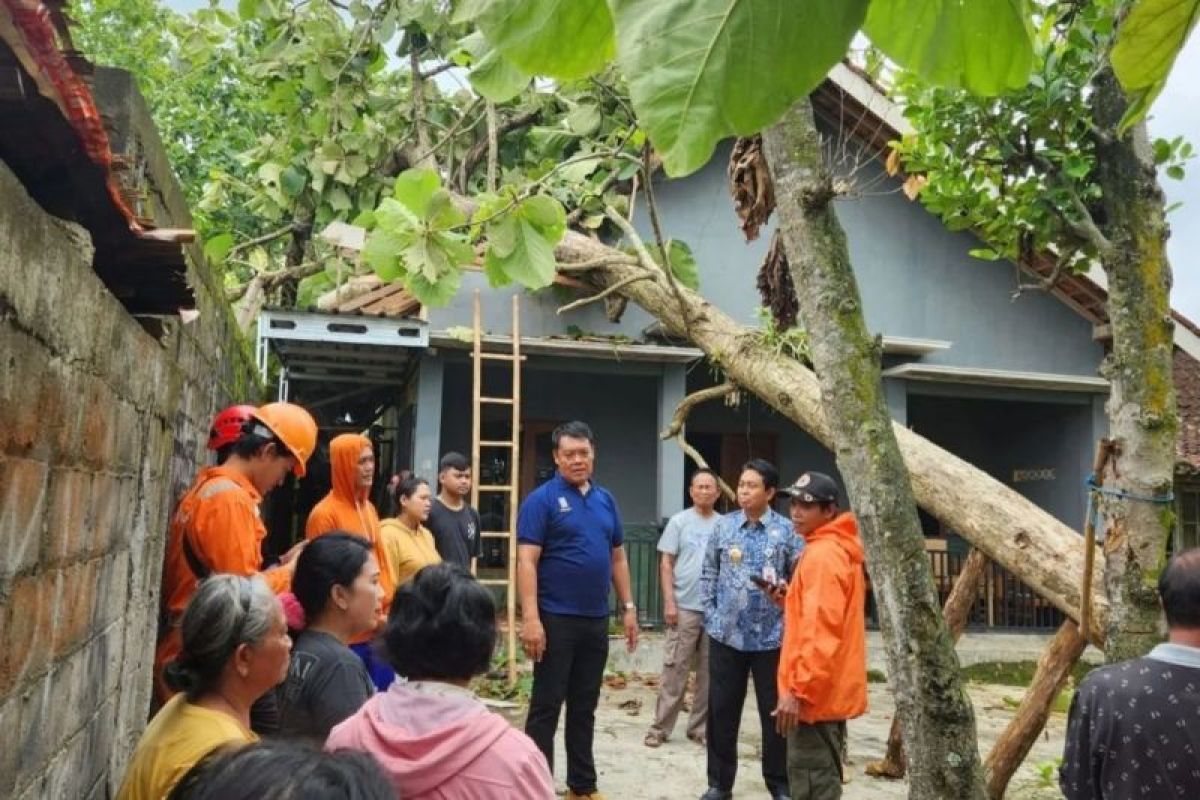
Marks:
<point>437,742</point>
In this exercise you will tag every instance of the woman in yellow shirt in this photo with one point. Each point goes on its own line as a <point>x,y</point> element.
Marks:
<point>408,543</point>
<point>235,648</point>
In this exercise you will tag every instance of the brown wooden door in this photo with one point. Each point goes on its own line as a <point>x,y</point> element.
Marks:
<point>738,448</point>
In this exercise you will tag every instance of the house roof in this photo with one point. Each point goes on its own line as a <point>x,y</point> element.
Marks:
<point>55,140</point>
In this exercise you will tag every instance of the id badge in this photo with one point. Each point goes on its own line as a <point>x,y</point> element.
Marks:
<point>769,575</point>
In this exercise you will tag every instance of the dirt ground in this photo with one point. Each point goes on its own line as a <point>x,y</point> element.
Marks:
<point>628,770</point>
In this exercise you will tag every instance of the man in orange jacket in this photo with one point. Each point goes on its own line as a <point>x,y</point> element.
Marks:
<point>217,528</point>
<point>348,508</point>
<point>823,663</point>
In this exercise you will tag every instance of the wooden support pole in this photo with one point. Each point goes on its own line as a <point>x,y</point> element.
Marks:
<point>1103,453</point>
<point>958,612</point>
<point>1014,743</point>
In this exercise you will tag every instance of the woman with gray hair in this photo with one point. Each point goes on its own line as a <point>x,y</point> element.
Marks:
<point>235,649</point>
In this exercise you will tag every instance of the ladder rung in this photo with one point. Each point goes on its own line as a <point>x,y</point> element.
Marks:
<point>493,581</point>
<point>495,535</point>
<point>499,356</point>
<point>494,488</point>
<point>496,443</point>
<point>504,401</point>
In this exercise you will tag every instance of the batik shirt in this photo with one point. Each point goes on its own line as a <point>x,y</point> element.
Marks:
<point>737,613</point>
<point>1134,730</point>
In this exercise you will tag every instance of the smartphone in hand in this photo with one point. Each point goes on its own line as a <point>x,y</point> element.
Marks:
<point>764,584</point>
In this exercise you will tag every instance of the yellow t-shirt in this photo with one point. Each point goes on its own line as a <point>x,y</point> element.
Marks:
<point>407,550</point>
<point>179,735</point>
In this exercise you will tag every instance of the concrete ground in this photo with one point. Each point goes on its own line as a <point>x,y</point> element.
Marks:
<point>628,770</point>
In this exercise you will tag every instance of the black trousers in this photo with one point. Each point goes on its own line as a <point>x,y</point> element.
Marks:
<point>570,671</point>
<point>728,673</point>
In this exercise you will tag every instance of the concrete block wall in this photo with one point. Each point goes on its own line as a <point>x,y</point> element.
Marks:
<point>101,427</point>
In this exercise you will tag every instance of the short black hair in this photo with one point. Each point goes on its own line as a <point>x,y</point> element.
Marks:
<point>254,438</point>
<point>405,489</point>
<point>453,460</point>
<point>770,475</point>
<point>575,429</point>
<point>277,769</point>
<point>1179,589</point>
<point>442,626</point>
<point>706,471</point>
<point>333,559</point>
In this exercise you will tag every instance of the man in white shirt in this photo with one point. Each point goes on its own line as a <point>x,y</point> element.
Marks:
<point>682,547</point>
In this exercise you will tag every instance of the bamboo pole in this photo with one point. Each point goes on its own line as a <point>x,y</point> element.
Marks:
<point>514,491</point>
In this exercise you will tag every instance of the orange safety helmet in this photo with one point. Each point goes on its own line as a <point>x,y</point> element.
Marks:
<point>227,426</point>
<point>293,426</point>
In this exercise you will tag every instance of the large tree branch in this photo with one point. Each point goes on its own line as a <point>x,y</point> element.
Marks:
<point>479,150</point>
<point>675,430</point>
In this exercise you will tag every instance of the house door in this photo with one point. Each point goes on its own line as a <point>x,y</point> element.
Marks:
<point>727,452</point>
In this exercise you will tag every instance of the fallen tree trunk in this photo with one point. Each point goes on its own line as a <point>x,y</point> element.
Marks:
<point>957,611</point>
<point>1018,737</point>
<point>1010,529</point>
<point>931,698</point>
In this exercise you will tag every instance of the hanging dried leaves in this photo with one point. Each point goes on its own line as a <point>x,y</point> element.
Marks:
<point>750,185</point>
<point>776,288</point>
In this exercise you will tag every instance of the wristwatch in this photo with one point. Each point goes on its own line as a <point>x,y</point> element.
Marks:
<point>630,607</point>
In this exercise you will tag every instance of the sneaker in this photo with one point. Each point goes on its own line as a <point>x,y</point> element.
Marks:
<point>654,739</point>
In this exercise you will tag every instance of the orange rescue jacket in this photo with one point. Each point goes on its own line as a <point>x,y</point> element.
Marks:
<point>823,662</point>
<point>348,508</point>
<point>219,518</point>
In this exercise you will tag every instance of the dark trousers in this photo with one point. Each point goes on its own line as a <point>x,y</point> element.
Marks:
<point>728,672</point>
<point>570,671</point>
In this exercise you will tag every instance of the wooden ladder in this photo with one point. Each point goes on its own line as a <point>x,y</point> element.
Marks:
<point>513,446</point>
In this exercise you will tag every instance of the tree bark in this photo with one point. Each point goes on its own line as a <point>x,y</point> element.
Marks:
<point>931,699</point>
<point>1141,404</point>
<point>1010,529</point>
<point>957,612</point>
<point>1018,737</point>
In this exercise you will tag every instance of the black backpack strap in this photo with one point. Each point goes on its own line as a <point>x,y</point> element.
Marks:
<point>198,567</point>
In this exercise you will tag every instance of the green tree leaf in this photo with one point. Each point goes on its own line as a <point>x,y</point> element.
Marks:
<point>414,188</point>
<point>565,39</point>
<point>984,46</point>
<point>547,215</point>
<point>683,263</point>
<point>382,253</point>
<point>434,293</point>
<point>216,248</point>
<point>702,70</point>
<point>292,181</point>
<point>497,78</point>
<point>529,262</point>
<point>1148,42</point>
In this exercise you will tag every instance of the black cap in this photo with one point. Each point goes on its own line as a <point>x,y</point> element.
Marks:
<point>812,487</point>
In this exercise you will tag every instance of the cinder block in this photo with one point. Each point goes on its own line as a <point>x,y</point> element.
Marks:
<point>76,606</point>
<point>23,491</point>
<point>27,615</point>
<point>66,525</point>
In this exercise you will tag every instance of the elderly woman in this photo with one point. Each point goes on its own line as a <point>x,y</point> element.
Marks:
<point>337,587</point>
<point>235,648</point>
<point>434,739</point>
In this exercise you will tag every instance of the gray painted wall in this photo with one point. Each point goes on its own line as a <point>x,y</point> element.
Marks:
<point>622,410</point>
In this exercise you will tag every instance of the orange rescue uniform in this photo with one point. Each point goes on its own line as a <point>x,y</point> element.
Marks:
<point>348,508</point>
<point>823,661</point>
<point>219,518</point>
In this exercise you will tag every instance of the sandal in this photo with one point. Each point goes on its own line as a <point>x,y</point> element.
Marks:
<point>654,739</point>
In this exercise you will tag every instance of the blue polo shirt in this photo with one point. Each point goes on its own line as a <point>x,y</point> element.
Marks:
<point>577,534</point>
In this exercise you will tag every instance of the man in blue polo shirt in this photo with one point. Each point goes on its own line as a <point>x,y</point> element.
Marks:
<point>570,546</point>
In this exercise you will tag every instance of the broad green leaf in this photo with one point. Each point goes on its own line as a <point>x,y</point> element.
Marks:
<point>311,288</point>
<point>216,248</point>
<point>467,10</point>
<point>683,263</point>
<point>382,253</point>
<point>703,70</point>
<point>565,39</point>
<point>578,171</point>
<point>497,78</point>
<point>984,254</point>
<point>584,119</point>
<point>434,293</point>
<point>338,199</point>
<point>248,9</point>
<point>529,263</point>
<point>1176,172</point>
<point>441,212</point>
<point>984,46</point>
<point>393,215</point>
<point>1148,41</point>
<point>415,187</point>
<point>292,181</point>
<point>547,215</point>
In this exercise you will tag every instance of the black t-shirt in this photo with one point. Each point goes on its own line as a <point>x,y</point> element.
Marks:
<point>455,533</point>
<point>326,683</point>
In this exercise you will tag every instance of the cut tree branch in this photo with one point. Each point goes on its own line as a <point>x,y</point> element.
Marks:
<point>479,150</point>
<point>608,290</point>
<point>675,430</point>
<point>264,239</point>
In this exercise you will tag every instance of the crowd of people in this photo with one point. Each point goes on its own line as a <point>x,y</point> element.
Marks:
<point>344,670</point>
